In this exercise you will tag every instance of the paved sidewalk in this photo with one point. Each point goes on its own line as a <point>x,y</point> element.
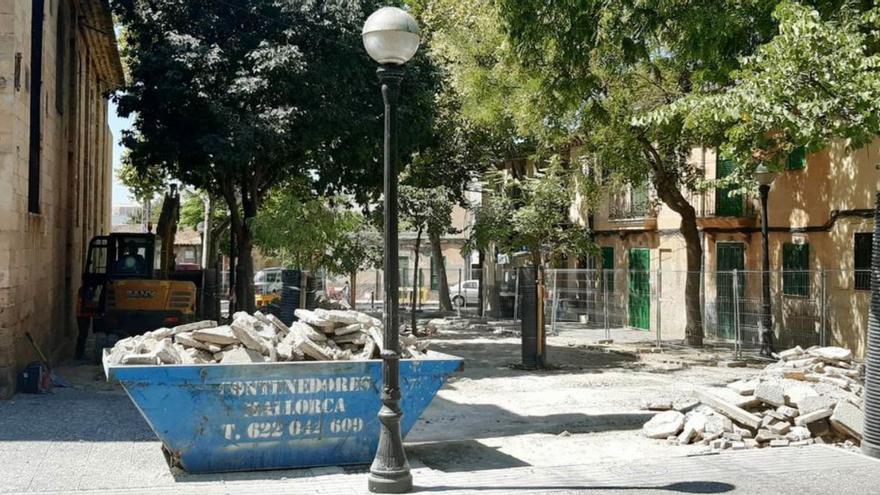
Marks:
<point>484,433</point>
<point>815,470</point>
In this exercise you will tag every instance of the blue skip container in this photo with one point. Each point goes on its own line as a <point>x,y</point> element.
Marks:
<point>215,418</point>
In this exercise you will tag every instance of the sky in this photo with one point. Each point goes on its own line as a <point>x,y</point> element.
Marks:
<point>117,125</point>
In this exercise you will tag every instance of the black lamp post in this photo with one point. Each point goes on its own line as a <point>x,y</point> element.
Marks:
<point>391,37</point>
<point>765,179</point>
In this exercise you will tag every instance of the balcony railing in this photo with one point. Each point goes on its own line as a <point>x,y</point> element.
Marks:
<point>630,205</point>
<point>717,203</point>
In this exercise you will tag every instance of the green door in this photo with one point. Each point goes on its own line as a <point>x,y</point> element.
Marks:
<point>725,204</point>
<point>729,256</point>
<point>639,289</point>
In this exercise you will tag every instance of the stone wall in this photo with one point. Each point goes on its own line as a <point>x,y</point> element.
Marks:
<point>42,252</point>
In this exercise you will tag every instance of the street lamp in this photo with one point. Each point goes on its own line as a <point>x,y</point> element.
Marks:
<point>391,37</point>
<point>765,178</point>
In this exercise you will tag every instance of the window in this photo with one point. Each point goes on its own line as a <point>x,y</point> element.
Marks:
<point>38,12</point>
<point>795,266</point>
<point>608,264</point>
<point>189,255</point>
<point>862,248</point>
<point>797,159</point>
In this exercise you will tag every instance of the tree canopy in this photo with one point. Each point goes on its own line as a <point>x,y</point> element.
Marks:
<point>237,98</point>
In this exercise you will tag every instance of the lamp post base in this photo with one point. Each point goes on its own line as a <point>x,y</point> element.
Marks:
<point>390,482</point>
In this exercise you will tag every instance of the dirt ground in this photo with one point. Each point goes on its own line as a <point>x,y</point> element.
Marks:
<point>588,408</point>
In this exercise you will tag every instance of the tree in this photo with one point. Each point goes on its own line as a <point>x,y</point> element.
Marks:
<point>299,230</point>
<point>358,249</point>
<point>424,210</point>
<point>815,81</point>
<point>192,213</point>
<point>235,99</point>
<point>585,72</point>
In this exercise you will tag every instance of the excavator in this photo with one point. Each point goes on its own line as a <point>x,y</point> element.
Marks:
<point>129,284</point>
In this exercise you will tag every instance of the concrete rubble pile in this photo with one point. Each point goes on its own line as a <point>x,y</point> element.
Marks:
<point>808,396</point>
<point>319,335</point>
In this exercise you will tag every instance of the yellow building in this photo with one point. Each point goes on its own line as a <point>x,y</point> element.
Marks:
<point>820,224</point>
<point>58,60</point>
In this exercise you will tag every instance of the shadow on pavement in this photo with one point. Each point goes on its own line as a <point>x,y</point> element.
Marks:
<point>462,456</point>
<point>681,487</point>
<point>441,422</point>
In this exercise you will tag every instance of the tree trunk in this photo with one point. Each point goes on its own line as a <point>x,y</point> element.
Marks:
<point>440,266</point>
<point>245,272</point>
<point>669,192</point>
<point>352,292</point>
<point>481,289</point>
<point>415,284</point>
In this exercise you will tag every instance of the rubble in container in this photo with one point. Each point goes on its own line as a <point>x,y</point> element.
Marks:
<point>808,396</point>
<point>320,335</point>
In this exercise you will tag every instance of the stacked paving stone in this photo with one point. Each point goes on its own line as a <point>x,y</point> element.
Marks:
<point>808,396</point>
<point>320,335</point>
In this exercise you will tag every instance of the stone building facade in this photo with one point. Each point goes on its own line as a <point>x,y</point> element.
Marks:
<point>58,62</point>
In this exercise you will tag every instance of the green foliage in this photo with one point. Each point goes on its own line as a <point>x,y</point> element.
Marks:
<point>818,79</point>
<point>143,183</point>
<point>309,233</point>
<point>426,210</point>
<point>533,213</point>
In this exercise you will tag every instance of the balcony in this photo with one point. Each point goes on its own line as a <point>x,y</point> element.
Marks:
<point>632,210</point>
<point>716,209</point>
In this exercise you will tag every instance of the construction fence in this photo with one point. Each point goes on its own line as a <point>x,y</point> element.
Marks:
<point>818,307</point>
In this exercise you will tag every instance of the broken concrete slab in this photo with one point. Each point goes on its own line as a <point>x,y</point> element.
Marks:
<point>744,387</point>
<point>848,419</point>
<point>832,354</point>
<point>657,405</point>
<point>242,355</point>
<point>307,332</point>
<point>344,317</point>
<point>730,410</point>
<point>191,327</point>
<point>790,353</point>
<point>279,325</point>
<point>798,433</point>
<point>248,335</point>
<point>770,393</point>
<point>310,318</point>
<point>221,335</point>
<point>806,419</point>
<point>779,427</point>
<point>663,425</point>
<point>815,403</point>
<point>788,412</point>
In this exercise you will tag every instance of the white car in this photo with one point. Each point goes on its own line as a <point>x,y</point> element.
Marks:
<point>465,293</point>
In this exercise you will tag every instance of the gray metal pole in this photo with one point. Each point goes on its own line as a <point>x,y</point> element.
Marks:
<point>871,433</point>
<point>389,472</point>
<point>516,297</point>
<point>766,316</point>
<point>736,331</point>
<point>605,303</point>
<point>555,304</point>
<point>658,309</point>
<point>823,338</point>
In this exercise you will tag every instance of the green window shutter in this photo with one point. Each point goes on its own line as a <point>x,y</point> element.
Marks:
<point>797,159</point>
<point>795,263</point>
<point>862,246</point>
<point>726,204</point>
<point>608,264</point>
